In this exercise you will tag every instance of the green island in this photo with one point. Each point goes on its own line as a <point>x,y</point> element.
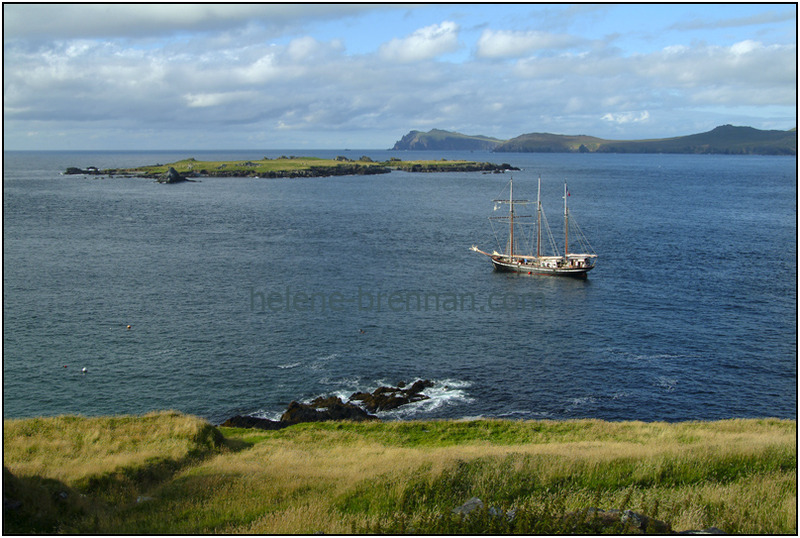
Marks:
<point>291,166</point>
<point>170,473</point>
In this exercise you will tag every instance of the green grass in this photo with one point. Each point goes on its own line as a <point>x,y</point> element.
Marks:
<point>398,477</point>
<point>292,166</point>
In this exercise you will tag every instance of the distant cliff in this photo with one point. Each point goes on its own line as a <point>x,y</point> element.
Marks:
<point>726,139</point>
<point>445,140</point>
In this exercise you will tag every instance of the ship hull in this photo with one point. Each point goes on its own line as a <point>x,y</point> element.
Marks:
<point>527,268</point>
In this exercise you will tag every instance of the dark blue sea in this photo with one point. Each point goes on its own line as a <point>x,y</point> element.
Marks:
<point>244,294</point>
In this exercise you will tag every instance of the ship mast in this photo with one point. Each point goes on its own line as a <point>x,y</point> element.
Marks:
<point>566,224</point>
<point>511,218</point>
<point>511,215</point>
<point>539,217</point>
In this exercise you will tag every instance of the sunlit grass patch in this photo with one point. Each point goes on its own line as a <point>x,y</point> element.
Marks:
<point>400,477</point>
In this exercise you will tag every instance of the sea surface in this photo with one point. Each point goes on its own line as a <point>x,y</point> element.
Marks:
<point>244,294</point>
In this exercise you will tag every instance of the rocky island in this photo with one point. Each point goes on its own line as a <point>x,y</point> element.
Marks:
<point>287,167</point>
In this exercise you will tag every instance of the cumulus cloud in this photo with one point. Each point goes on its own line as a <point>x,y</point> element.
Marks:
<point>424,44</point>
<point>627,117</point>
<point>240,83</point>
<point>506,43</point>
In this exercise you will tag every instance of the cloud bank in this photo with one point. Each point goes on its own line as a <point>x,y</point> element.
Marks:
<point>248,76</point>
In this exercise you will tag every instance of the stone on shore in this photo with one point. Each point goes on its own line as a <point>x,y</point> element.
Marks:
<point>172,176</point>
<point>240,421</point>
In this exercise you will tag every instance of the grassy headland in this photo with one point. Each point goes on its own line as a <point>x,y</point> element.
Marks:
<point>172,473</point>
<point>725,139</point>
<point>294,167</point>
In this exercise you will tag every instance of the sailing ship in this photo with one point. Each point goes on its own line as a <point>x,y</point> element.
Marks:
<point>536,263</point>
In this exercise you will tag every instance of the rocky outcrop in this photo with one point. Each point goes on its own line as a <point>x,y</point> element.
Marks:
<point>240,421</point>
<point>324,409</point>
<point>172,176</point>
<point>333,408</point>
<point>386,398</point>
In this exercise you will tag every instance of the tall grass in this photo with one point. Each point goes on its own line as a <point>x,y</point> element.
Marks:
<point>66,468</point>
<point>738,475</point>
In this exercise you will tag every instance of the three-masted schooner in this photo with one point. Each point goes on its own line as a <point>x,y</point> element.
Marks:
<point>570,264</point>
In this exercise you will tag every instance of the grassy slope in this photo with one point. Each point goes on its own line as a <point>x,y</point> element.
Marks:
<point>738,475</point>
<point>441,140</point>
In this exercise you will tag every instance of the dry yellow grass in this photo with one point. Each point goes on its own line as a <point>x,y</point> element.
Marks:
<point>739,475</point>
<point>69,448</point>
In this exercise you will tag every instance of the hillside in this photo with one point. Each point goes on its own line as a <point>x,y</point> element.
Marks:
<point>551,143</point>
<point>725,139</point>
<point>437,139</point>
<point>168,473</point>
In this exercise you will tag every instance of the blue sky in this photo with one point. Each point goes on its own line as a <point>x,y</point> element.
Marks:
<point>272,76</point>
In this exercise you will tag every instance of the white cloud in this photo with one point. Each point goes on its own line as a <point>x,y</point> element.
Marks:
<point>65,21</point>
<point>511,44</point>
<point>240,82</point>
<point>424,44</point>
<point>627,117</point>
<point>203,100</point>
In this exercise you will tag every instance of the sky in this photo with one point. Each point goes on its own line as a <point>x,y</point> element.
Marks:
<point>360,76</point>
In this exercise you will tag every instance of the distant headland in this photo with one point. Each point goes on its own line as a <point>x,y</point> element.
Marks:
<point>725,139</point>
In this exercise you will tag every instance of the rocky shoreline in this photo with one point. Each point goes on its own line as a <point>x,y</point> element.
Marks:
<point>323,409</point>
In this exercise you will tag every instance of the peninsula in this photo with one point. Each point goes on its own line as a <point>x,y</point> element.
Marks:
<point>725,140</point>
<point>288,167</point>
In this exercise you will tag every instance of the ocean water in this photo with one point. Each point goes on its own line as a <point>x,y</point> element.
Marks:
<point>245,294</point>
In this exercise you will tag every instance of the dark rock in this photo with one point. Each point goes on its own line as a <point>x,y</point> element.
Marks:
<point>172,177</point>
<point>386,398</point>
<point>418,387</point>
<point>333,410</point>
<point>253,422</point>
<point>470,506</point>
<point>320,402</point>
<point>710,530</point>
<point>616,521</point>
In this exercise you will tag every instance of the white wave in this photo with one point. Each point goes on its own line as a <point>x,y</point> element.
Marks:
<point>525,414</point>
<point>444,393</point>
<point>269,415</point>
<point>580,402</point>
<point>447,392</point>
<point>289,365</point>
<point>321,362</point>
<point>667,383</point>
